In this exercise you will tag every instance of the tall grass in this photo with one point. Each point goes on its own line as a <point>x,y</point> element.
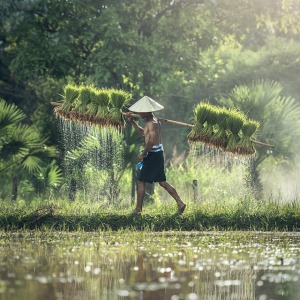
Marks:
<point>246,214</point>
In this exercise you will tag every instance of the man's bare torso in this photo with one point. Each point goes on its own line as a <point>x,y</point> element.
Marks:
<point>152,130</point>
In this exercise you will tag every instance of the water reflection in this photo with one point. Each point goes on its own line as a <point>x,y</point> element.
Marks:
<point>148,265</point>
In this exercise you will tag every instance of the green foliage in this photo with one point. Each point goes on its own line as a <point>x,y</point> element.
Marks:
<point>23,153</point>
<point>10,115</point>
<point>178,52</point>
<point>277,114</point>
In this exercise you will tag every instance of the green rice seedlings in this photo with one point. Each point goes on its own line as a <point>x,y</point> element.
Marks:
<point>211,122</point>
<point>78,111</point>
<point>245,145</point>
<point>92,107</point>
<point>103,100</point>
<point>119,100</point>
<point>71,93</point>
<point>200,119</point>
<point>235,122</point>
<point>83,99</point>
<point>220,138</point>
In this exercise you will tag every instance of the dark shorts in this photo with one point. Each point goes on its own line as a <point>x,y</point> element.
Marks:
<point>153,169</point>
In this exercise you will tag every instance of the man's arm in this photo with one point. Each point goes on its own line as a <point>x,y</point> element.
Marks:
<point>138,128</point>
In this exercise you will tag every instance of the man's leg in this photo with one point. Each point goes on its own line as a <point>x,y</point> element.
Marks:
<point>140,196</point>
<point>171,190</point>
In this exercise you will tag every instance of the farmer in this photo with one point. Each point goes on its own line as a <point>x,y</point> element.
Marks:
<point>152,157</point>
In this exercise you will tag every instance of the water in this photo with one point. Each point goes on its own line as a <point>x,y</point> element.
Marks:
<point>93,159</point>
<point>144,265</point>
<point>218,156</point>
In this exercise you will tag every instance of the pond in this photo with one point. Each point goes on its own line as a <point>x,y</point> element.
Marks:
<point>147,265</point>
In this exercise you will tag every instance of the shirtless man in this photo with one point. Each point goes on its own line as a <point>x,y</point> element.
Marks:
<point>153,169</point>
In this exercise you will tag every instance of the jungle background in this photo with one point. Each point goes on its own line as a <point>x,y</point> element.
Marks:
<point>243,54</point>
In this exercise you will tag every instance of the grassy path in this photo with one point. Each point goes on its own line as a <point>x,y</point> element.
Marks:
<point>71,217</point>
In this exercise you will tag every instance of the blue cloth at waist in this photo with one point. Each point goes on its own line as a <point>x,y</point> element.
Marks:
<point>157,148</point>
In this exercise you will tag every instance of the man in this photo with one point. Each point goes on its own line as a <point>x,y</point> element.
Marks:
<point>152,157</point>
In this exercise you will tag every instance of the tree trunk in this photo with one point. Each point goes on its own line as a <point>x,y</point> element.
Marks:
<point>14,193</point>
<point>255,182</point>
<point>72,189</point>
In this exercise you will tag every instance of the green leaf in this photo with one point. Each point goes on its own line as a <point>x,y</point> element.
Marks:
<point>54,176</point>
<point>32,164</point>
<point>10,115</point>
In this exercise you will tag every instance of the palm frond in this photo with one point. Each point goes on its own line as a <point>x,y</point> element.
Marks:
<point>10,115</point>
<point>32,164</point>
<point>54,176</point>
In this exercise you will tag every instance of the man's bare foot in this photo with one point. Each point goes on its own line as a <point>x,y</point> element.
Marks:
<point>181,209</point>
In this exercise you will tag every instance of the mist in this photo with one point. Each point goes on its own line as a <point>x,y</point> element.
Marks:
<point>281,184</point>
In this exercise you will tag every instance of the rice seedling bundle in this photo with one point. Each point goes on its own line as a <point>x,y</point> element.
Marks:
<point>245,145</point>
<point>235,122</point>
<point>88,105</point>
<point>220,136</point>
<point>102,100</point>
<point>83,99</point>
<point>226,129</point>
<point>211,122</point>
<point>92,107</point>
<point>71,93</point>
<point>201,112</point>
<point>118,100</point>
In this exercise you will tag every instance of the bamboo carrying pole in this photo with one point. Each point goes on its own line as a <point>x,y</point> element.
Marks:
<point>160,119</point>
<point>191,125</point>
<point>55,104</point>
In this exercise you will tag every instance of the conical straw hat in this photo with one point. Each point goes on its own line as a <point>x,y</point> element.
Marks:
<point>145,104</point>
